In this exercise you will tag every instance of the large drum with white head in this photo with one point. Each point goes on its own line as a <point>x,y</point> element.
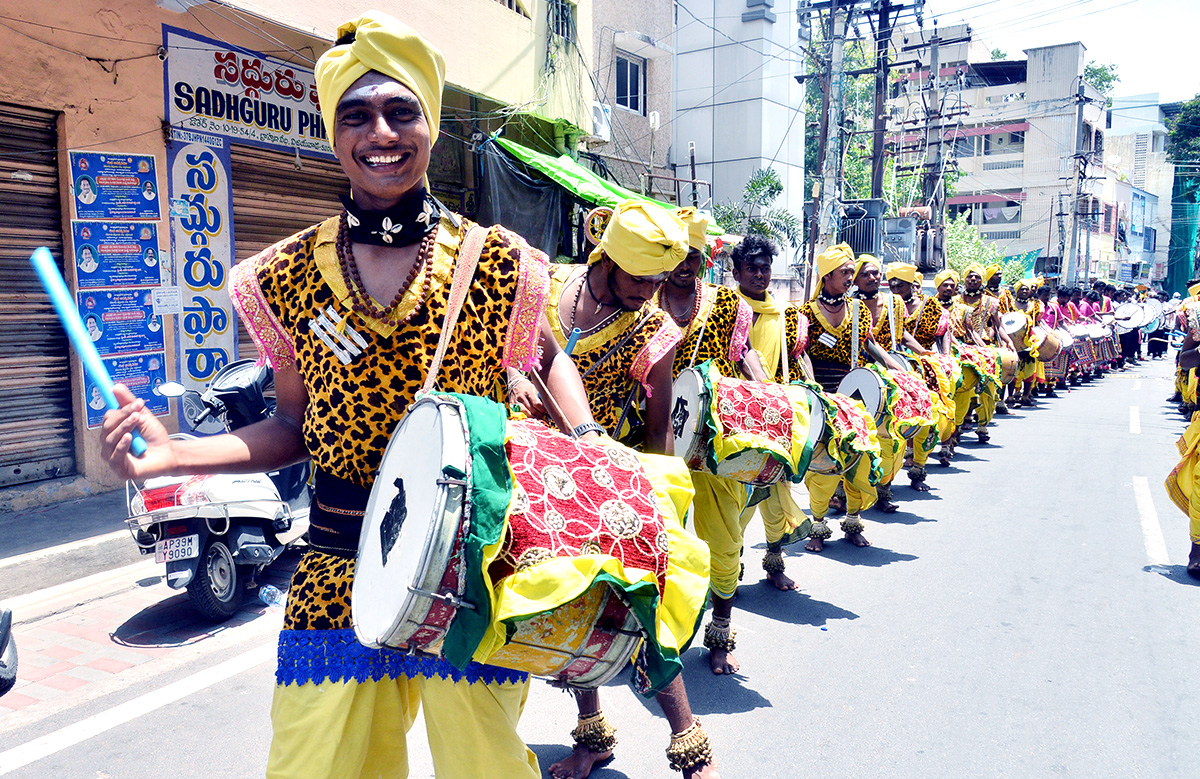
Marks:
<point>746,430</point>
<point>411,579</point>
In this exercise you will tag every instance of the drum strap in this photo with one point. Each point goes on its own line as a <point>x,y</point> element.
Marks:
<point>464,270</point>
<point>784,351</point>
<point>853,333</point>
<point>892,319</point>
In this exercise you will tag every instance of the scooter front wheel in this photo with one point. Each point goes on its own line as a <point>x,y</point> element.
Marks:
<point>217,588</point>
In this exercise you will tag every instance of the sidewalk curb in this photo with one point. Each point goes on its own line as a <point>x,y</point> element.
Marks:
<point>61,597</point>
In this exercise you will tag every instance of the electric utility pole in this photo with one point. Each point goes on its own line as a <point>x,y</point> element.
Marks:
<point>1072,269</point>
<point>883,39</point>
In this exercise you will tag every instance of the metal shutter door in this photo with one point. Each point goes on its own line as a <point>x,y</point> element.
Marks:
<point>272,200</point>
<point>37,438</point>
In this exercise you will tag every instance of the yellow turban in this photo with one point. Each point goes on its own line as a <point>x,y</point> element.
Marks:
<point>990,271</point>
<point>384,44</point>
<point>944,276</point>
<point>1194,291</point>
<point>863,259</point>
<point>697,226</point>
<point>975,268</point>
<point>643,239</point>
<point>1025,284</point>
<point>1039,282</point>
<point>905,271</point>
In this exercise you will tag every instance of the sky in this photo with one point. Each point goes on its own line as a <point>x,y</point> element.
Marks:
<point>1148,40</point>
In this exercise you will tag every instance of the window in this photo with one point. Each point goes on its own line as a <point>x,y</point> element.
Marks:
<point>631,83</point>
<point>562,19</point>
<point>513,5</point>
<point>964,147</point>
<point>1108,214</point>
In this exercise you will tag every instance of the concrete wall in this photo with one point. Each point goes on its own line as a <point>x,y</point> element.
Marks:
<point>738,99</point>
<point>619,27</point>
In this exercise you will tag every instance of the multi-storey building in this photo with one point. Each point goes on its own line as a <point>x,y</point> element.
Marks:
<point>1013,128</point>
<point>209,111</point>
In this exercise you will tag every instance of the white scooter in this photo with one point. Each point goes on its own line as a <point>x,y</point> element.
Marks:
<point>216,532</point>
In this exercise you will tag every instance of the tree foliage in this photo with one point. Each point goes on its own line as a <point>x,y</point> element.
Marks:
<point>965,245</point>
<point>755,214</point>
<point>1103,77</point>
<point>1185,133</point>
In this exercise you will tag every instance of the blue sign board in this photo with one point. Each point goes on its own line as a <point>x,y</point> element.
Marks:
<point>121,321</point>
<point>116,254</point>
<point>142,373</point>
<point>110,185</point>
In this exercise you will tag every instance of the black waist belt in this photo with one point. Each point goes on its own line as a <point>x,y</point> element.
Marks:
<point>336,517</point>
<point>829,374</point>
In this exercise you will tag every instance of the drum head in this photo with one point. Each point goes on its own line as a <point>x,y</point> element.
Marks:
<point>399,534</point>
<point>1065,336</point>
<point>687,413</point>
<point>1013,322</point>
<point>1129,316</point>
<point>862,384</point>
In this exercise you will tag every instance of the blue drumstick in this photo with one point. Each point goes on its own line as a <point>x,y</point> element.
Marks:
<point>572,339</point>
<point>68,314</point>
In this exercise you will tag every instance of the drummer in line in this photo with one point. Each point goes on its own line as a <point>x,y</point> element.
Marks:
<point>887,328</point>
<point>839,340</point>
<point>625,356</point>
<point>778,335</point>
<point>716,324</point>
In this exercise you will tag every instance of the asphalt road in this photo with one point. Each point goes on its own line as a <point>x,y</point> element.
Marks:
<point>1030,617</point>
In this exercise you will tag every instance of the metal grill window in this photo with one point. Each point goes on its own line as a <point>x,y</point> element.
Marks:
<point>562,19</point>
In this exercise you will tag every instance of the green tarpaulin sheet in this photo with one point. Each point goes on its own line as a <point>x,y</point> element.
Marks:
<point>581,182</point>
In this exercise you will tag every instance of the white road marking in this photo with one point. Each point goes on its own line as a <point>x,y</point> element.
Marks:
<point>1137,384</point>
<point>67,595</point>
<point>39,748</point>
<point>1156,547</point>
<point>61,548</point>
<point>1135,420</point>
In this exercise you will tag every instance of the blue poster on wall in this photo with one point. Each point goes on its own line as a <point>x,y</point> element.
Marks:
<point>110,185</point>
<point>121,321</point>
<point>143,374</point>
<point>116,254</point>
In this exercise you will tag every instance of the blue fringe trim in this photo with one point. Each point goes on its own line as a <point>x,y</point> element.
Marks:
<point>337,656</point>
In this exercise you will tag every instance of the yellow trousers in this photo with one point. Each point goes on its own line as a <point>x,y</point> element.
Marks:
<point>341,730</point>
<point>860,495</point>
<point>891,453</point>
<point>720,521</point>
<point>780,512</point>
<point>974,389</point>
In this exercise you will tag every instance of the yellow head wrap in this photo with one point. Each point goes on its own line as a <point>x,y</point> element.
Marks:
<point>863,259</point>
<point>944,276</point>
<point>384,44</point>
<point>697,226</point>
<point>1025,284</point>
<point>830,260</point>
<point>1039,282</point>
<point>643,239</point>
<point>990,271</point>
<point>1194,291</point>
<point>905,271</point>
<point>975,268</point>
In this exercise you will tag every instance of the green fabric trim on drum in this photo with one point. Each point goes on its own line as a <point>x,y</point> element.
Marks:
<point>491,491</point>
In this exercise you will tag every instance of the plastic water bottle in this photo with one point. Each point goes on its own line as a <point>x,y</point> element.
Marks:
<point>270,595</point>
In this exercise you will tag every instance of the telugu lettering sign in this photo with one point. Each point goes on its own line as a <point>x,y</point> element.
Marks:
<point>202,245</point>
<point>215,87</point>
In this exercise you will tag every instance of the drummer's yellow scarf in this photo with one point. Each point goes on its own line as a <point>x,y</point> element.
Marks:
<point>1181,482</point>
<point>766,335</point>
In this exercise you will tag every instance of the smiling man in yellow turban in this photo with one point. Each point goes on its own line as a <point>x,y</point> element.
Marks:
<point>979,314</point>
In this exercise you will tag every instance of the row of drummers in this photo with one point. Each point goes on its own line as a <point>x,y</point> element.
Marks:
<point>561,555</point>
